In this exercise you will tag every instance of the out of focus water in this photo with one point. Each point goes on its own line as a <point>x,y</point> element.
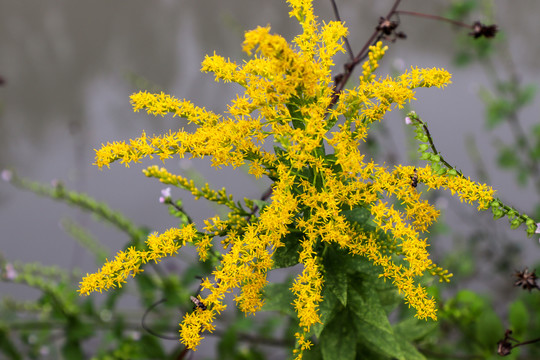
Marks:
<point>70,67</point>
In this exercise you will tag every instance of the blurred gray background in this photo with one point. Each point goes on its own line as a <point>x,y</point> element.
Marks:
<point>70,67</point>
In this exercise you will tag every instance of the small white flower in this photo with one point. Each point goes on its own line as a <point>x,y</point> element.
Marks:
<point>7,175</point>
<point>44,351</point>
<point>165,194</point>
<point>538,230</point>
<point>408,120</point>
<point>9,272</point>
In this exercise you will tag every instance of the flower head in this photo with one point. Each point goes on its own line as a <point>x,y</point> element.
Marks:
<point>165,195</point>
<point>322,184</point>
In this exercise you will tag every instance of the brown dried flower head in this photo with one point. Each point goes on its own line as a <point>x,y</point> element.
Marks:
<point>526,279</point>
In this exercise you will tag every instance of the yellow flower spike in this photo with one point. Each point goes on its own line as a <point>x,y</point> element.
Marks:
<point>319,177</point>
<point>114,273</point>
<point>193,325</point>
<point>376,52</point>
<point>222,69</point>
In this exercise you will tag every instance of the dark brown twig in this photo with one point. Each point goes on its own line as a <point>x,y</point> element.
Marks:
<point>338,18</point>
<point>342,78</point>
<point>434,17</point>
<point>504,346</point>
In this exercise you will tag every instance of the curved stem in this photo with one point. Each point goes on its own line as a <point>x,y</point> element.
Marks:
<point>338,18</point>
<point>433,17</point>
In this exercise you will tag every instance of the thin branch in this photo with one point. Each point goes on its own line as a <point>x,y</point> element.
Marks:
<point>338,18</point>
<point>349,67</point>
<point>433,17</point>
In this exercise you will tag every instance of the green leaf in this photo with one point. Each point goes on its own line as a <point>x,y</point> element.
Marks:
<point>126,348</point>
<point>313,354</point>
<point>173,290</point>
<point>72,350</point>
<point>336,275</point>
<point>278,297</point>
<point>147,288</point>
<point>460,9</point>
<point>423,147</point>
<point>425,156</point>
<point>463,58</point>
<point>514,224</point>
<point>507,158</point>
<point>227,344</point>
<point>408,350</point>
<point>378,340</point>
<point>261,204</point>
<point>76,330</point>
<point>287,256</point>
<point>359,215</point>
<point>441,171</point>
<point>525,95</point>
<point>360,266</point>
<point>149,347</point>
<point>364,302</point>
<point>338,339</point>
<point>497,214</point>
<point>497,111</point>
<point>412,329</point>
<point>328,308</point>
<point>522,176</point>
<point>279,151</point>
<point>371,320</point>
<point>519,318</point>
<point>6,346</point>
<point>488,329</point>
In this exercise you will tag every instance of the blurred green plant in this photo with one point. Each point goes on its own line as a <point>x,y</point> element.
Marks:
<point>471,325</point>
<point>61,324</point>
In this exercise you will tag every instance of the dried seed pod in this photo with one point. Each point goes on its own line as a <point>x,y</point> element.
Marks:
<point>526,279</point>
<point>479,30</point>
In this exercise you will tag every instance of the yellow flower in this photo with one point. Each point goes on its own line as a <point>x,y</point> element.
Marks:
<point>282,128</point>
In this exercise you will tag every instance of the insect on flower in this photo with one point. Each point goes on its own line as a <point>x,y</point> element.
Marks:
<point>414,179</point>
<point>198,303</point>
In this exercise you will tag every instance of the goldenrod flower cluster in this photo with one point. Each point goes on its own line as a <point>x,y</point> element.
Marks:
<point>317,169</point>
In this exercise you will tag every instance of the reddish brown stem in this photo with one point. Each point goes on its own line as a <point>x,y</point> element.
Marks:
<point>433,17</point>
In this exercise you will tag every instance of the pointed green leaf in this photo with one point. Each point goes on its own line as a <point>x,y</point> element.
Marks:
<point>278,297</point>
<point>336,275</point>
<point>365,303</point>
<point>488,328</point>
<point>408,350</point>
<point>519,317</point>
<point>313,354</point>
<point>338,339</point>
<point>379,340</point>
<point>357,215</point>
<point>328,309</point>
<point>371,321</point>
<point>7,347</point>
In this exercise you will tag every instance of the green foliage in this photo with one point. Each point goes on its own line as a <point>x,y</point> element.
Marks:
<point>355,312</point>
